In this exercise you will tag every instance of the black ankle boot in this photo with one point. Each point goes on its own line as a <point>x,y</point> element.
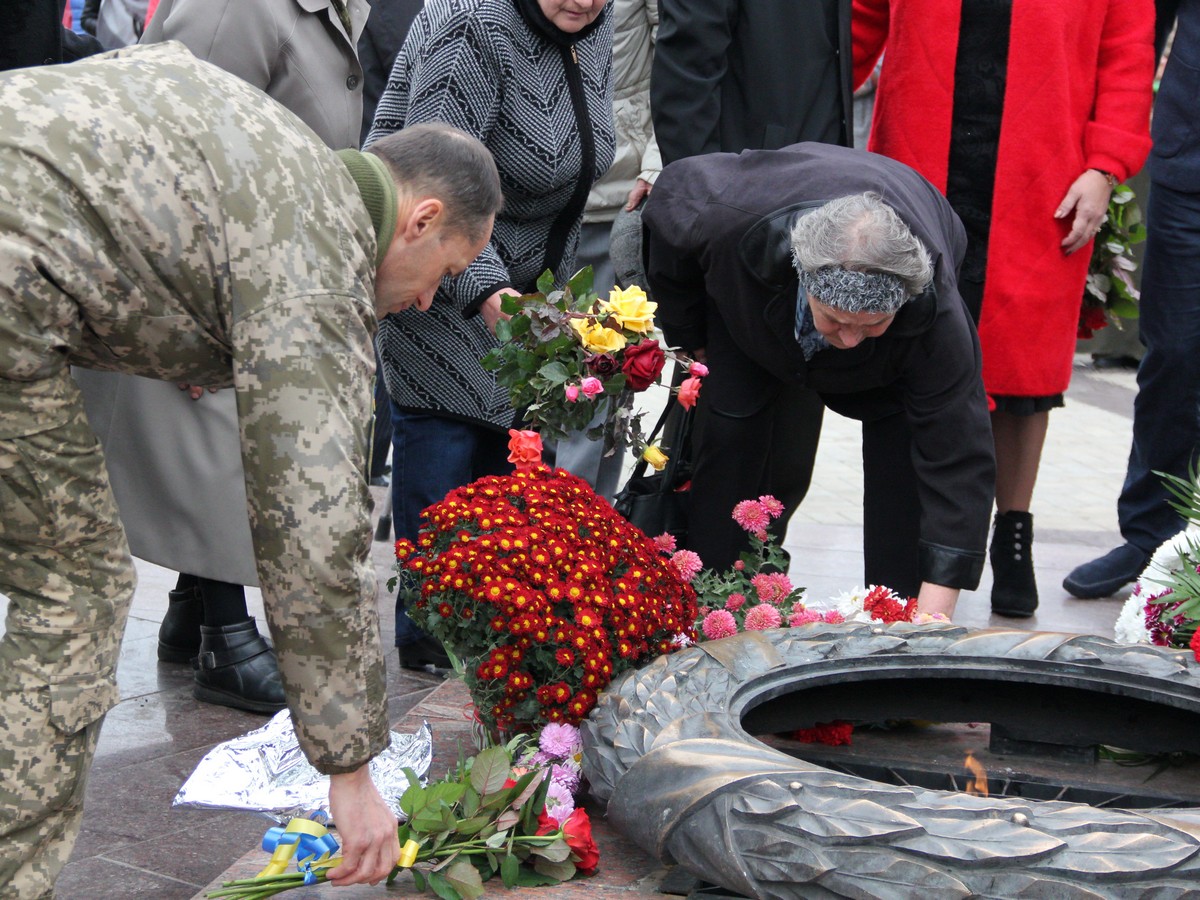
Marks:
<point>1014,589</point>
<point>179,634</point>
<point>236,667</point>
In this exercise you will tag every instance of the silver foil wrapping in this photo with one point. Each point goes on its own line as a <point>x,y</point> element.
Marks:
<point>265,771</point>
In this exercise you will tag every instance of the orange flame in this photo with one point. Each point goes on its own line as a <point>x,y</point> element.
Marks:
<point>977,786</point>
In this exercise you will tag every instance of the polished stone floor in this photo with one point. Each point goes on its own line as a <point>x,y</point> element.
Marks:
<point>135,845</point>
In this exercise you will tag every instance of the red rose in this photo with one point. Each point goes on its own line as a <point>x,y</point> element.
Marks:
<point>602,364</point>
<point>1091,320</point>
<point>1194,645</point>
<point>524,449</point>
<point>643,364</point>
<point>578,833</point>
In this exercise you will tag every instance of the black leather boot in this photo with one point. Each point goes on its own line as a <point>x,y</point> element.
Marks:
<point>236,667</point>
<point>179,634</point>
<point>1014,589</point>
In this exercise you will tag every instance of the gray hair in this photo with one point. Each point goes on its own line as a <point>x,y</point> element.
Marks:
<point>857,255</point>
<point>439,160</point>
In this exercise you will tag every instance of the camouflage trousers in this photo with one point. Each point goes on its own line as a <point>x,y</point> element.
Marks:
<point>66,570</point>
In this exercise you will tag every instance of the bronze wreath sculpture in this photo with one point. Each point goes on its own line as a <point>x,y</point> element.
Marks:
<point>667,749</point>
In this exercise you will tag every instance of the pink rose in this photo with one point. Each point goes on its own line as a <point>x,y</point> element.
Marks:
<point>689,392</point>
<point>698,369</point>
<point>592,386</point>
<point>524,449</point>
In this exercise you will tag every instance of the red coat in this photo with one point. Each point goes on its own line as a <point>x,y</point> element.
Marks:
<point>1077,97</point>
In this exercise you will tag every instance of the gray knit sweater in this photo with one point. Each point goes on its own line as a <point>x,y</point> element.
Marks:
<point>500,71</point>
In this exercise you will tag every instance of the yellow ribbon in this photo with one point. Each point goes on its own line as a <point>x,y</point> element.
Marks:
<point>408,854</point>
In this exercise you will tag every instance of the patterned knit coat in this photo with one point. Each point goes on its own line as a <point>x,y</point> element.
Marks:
<point>541,101</point>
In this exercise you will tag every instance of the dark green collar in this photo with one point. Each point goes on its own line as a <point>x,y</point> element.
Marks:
<point>378,190</point>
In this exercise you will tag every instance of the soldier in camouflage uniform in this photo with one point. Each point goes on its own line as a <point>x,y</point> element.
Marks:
<point>161,217</point>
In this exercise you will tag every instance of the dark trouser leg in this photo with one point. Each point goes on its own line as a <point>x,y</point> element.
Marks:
<point>891,507</point>
<point>743,457</point>
<point>432,455</point>
<point>66,569</point>
<point>381,428</point>
<point>1166,414</point>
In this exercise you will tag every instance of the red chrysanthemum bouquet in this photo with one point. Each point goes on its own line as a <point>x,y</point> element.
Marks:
<point>542,592</point>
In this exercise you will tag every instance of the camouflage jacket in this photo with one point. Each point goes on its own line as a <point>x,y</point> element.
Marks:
<point>178,224</point>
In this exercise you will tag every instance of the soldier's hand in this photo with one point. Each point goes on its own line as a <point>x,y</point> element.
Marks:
<point>366,830</point>
<point>195,391</point>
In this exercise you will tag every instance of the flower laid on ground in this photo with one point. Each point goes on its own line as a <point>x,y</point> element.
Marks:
<point>754,594</point>
<point>484,819</point>
<point>558,752</point>
<point>832,734</point>
<point>1164,606</point>
<point>1109,287</point>
<point>543,593</point>
<point>564,355</point>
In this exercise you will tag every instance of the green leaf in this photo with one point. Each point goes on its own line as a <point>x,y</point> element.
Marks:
<point>419,881</point>
<point>441,886</point>
<point>559,871</point>
<point>447,792</point>
<point>545,282</point>
<point>503,334</point>
<point>583,282</point>
<point>511,303</point>
<point>497,840</point>
<point>490,770</point>
<point>527,877</point>
<point>555,851</point>
<point>466,879</point>
<point>554,372</point>
<point>472,826</point>
<point>413,798</point>
<point>510,869</point>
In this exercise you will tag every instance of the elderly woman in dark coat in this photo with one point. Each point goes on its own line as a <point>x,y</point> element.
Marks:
<point>531,79</point>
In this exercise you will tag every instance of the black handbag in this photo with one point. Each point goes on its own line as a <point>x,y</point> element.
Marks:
<point>659,503</point>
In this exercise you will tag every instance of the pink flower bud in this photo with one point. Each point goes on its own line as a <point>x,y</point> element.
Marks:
<point>572,391</point>
<point>698,369</point>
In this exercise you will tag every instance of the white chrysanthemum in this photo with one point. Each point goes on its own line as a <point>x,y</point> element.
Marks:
<point>1131,623</point>
<point>848,603</point>
<point>1173,555</point>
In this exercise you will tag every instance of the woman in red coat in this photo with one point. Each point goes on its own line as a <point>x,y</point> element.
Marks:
<point>1025,113</point>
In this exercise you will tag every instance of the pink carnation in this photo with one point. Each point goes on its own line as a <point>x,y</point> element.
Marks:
<point>773,507</point>
<point>772,587</point>
<point>752,516</point>
<point>687,563</point>
<point>833,617</point>
<point>735,602</point>
<point>665,543</point>
<point>718,624</point>
<point>801,616</point>
<point>762,617</point>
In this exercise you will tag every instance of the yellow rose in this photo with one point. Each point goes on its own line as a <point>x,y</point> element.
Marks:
<point>631,309</point>
<point>597,338</point>
<point>655,457</point>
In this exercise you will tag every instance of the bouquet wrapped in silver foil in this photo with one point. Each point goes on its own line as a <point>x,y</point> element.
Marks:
<point>265,771</point>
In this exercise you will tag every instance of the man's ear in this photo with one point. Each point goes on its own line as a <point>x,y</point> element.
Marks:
<point>424,216</point>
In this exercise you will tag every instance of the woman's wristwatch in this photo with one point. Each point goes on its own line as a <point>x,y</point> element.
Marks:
<point>1108,176</point>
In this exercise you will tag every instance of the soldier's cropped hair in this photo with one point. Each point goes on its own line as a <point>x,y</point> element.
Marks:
<point>863,235</point>
<point>439,160</point>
